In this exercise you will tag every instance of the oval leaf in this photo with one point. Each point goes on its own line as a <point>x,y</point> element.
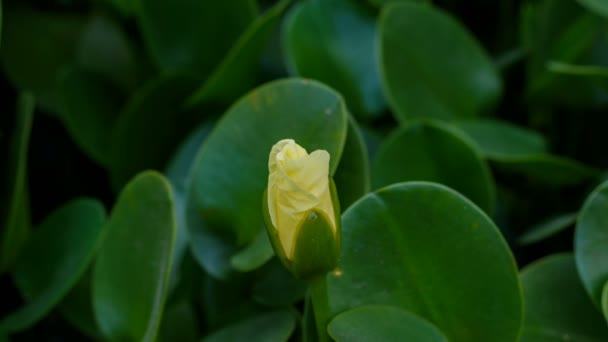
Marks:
<point>599,7</point>
<point>53,260</point>
<point>417,246</point>
<point>233,162</point>
<point>434,152</point>
<point>418,79</point>
<point>268,327</point>
<point>498,140</point>
<point>382,323</point>
<point>591,242</point>
<point>548,228</point>
<point>557,307</point>
<point>130,277</point>
<point>320,44</point>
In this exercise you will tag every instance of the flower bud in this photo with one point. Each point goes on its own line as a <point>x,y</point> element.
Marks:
<point>301,209</point>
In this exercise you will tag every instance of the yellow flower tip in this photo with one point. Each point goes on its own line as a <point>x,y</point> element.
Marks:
<point>298,182</point>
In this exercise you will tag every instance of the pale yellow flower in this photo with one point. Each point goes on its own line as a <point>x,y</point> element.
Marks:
<point>297,183</point>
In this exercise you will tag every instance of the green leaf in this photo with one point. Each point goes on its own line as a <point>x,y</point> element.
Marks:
<point>591,242</point>
<point>15,219</point>
<point>352,176</point>
<point>598,7</point>
<point>254,255</point>
<point>233,162</point>
<point>179,173</point>
<point>149,128</point>
<point>382,323</point>
<point>131,273</point>
<point>436,152</point>
<point>104,48</point>
<point>268,327</point>
<point>77,307</point>
<point>418,79</point>
<point>53,260</point>
<point>548,169</point>
<point>605,301</point>
<point>557,307</point>
<point>27,35</point>
<point>548,228</point>
<point>501,140</point>
<point>417,246</point>
<point>89,107</point>
<point>333,41</point>
<point>237,73</point>
<point>192,36</point>
<point>277,287</point>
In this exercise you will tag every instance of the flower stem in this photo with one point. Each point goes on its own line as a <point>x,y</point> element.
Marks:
<point>320,305</point>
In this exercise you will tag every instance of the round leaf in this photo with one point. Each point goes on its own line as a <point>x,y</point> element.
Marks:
<point>498,140</point>
<point>557,307</point>
<point>320,44</point>
<point>418,78</point>
<point>605,301</point>
<point>591,242</point>
<point>269,327</point>
<point>231,172</point>
<point>54,259</point>
<point>548,169</point>
<point>130,277</point>
<point>417,246</point>
<point>382,323</point>
<point>434,152</point>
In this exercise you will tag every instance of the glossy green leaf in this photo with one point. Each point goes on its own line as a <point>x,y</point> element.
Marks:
<point>578,70</point>
<point>599,7</point>
<point>382,323</point>
<point>254,255</point>
<point>238,70</point>
<point>548,170</point>
<point>334,41</point>
<point>53,260</point>
<point>89,107</point>
<point>352,176</point>
<point>131,273</point>
<point>149,128</point>
<point>26,36</point>
<point>267,327</point>
<point>591,242</point>
<point>435,152</point>
<point>233,162</point>
<point>605,301</point>
<point>417,246</point>
<point>499,140</point>
<point>179,173</point>
<point>192,36</point>
<point>418,79</point>
<point>15,221</point>
<point>276,287</point>
<point>557,307</point>
<point>548,228</point>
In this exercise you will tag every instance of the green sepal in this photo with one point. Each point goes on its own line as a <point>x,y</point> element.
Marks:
<point>316,247</point>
